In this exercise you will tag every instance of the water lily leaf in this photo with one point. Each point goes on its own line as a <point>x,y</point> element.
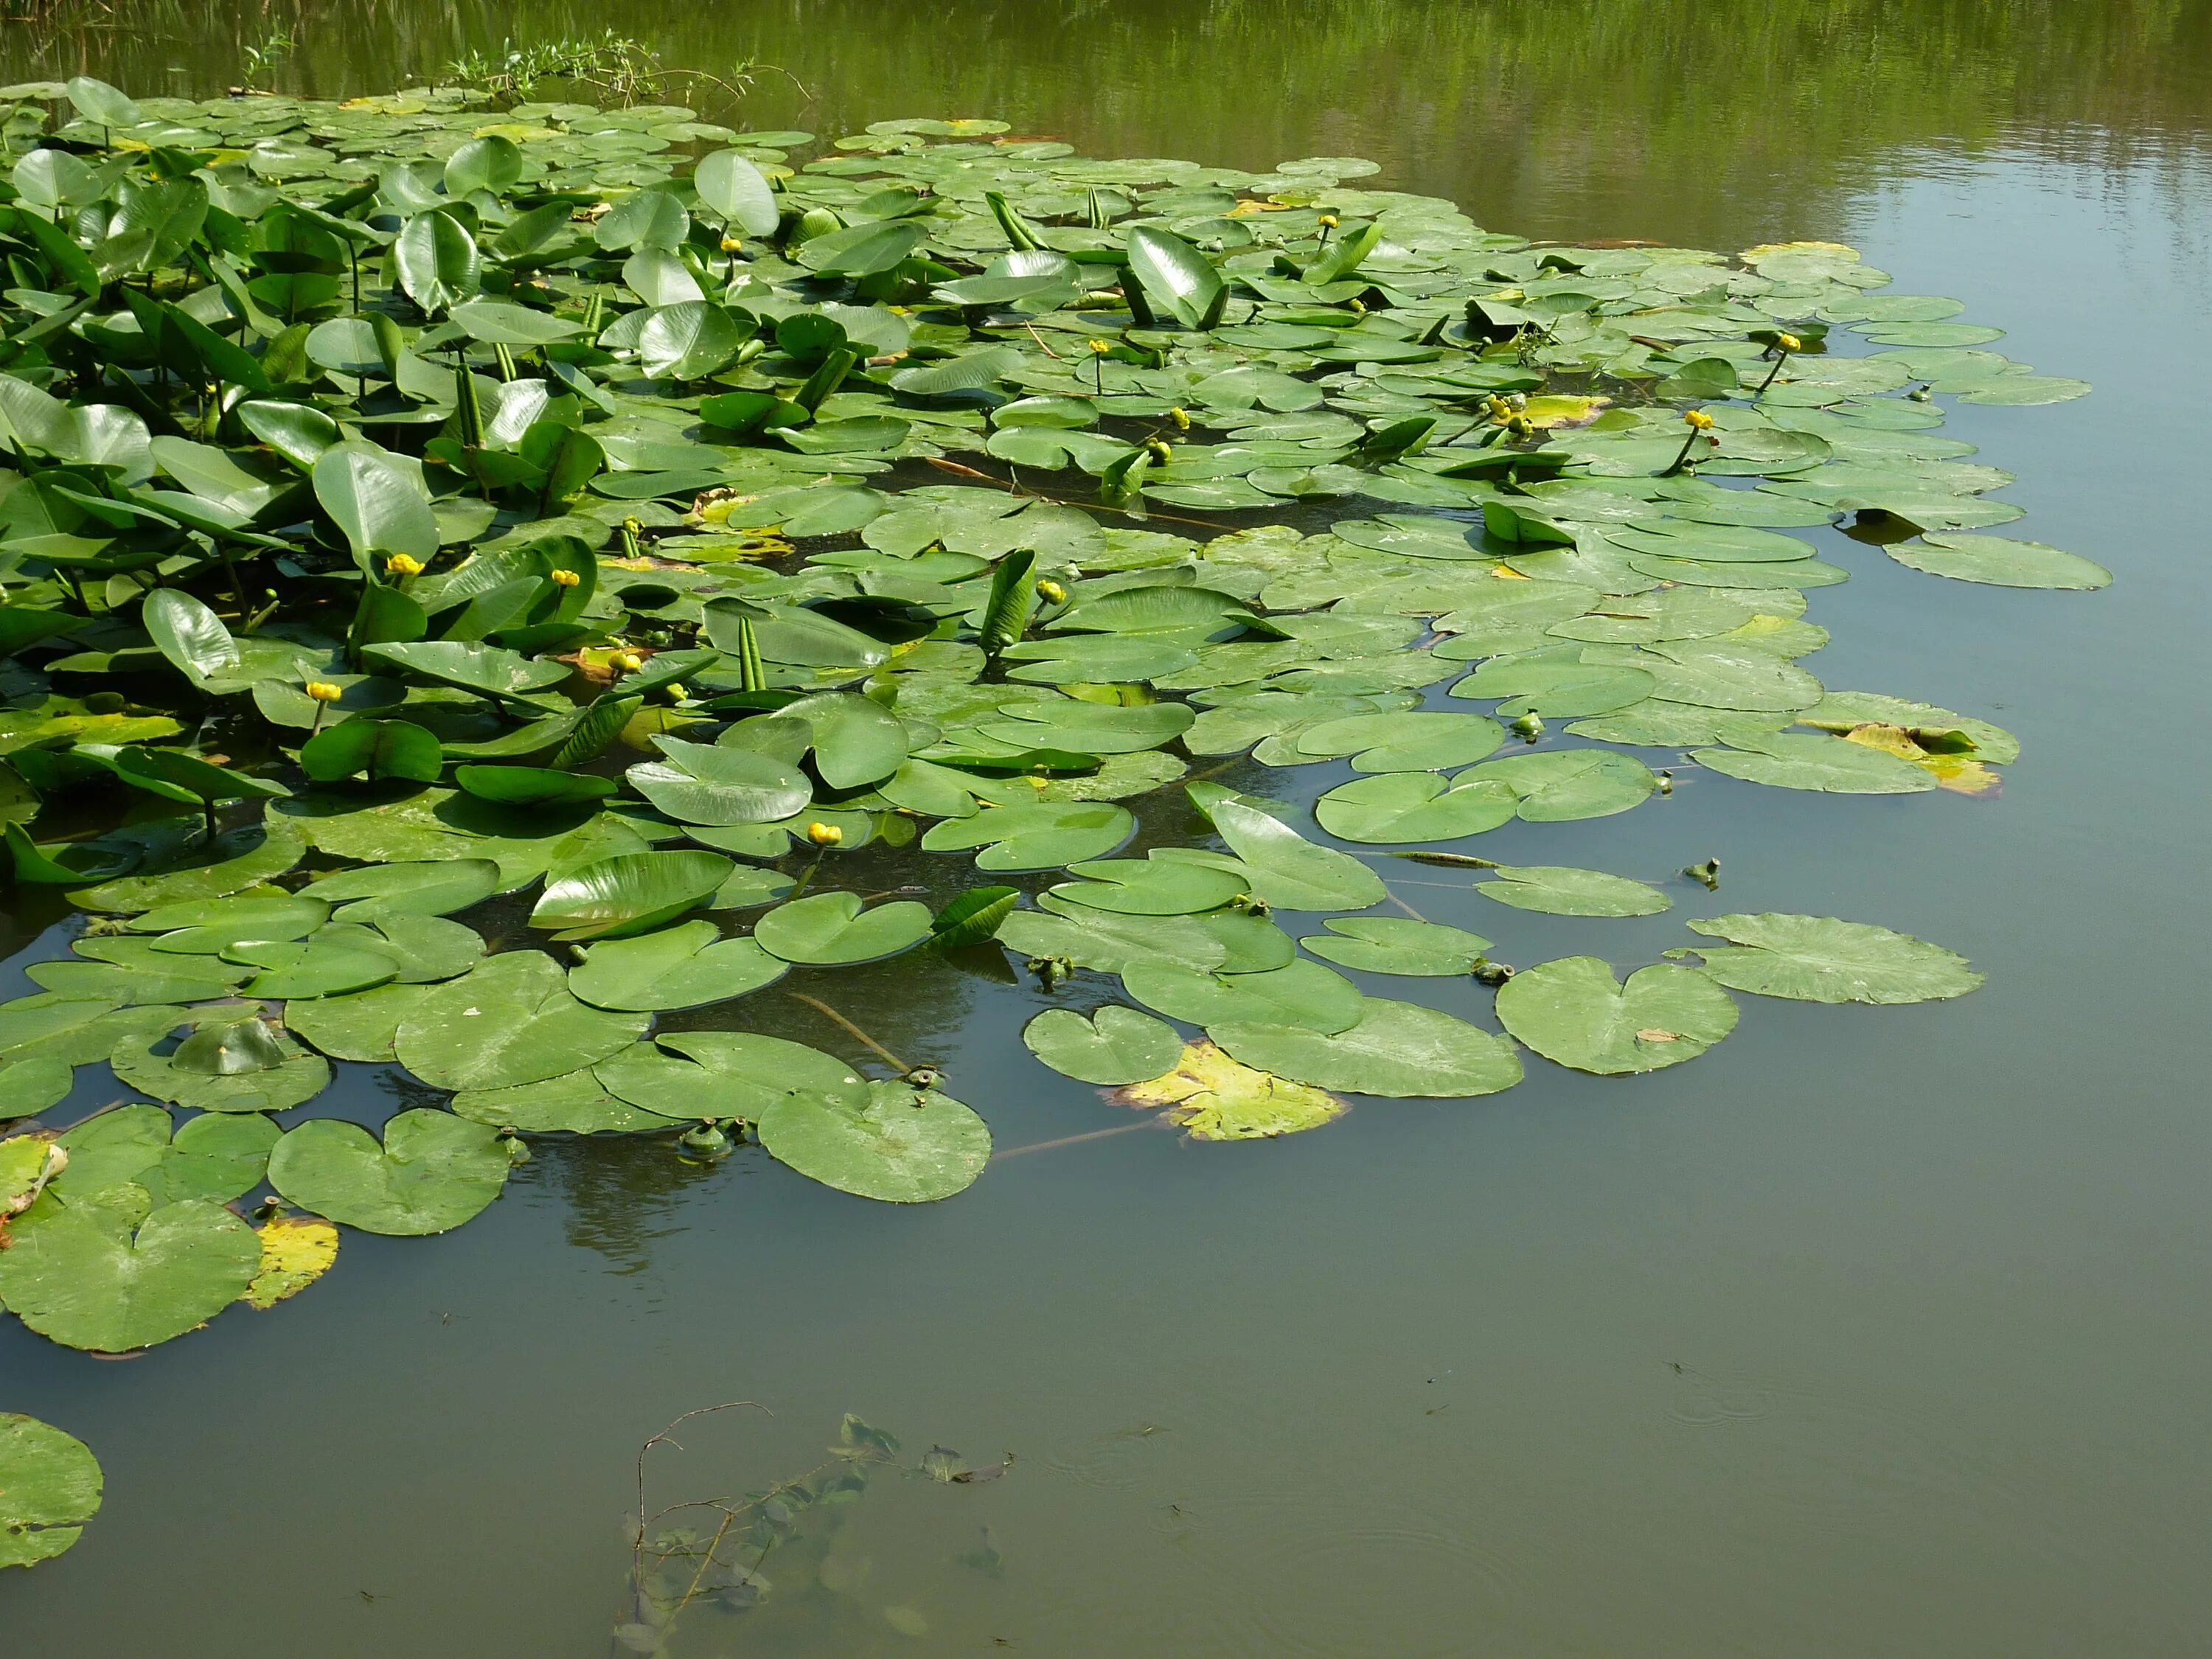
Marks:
<point>31,1086</point>
<point>422,950</point>
<point>510,1019</point>
<point>1176,275</point>
<point>575,1103</point>
<point>730,185</point>
<point>862,250</point>
<point>1409,742</point>
<point>1999,561</point>
<point>1560,891</point>
<point>77,1031</point>
<point>1148,887</point>
<point>1839,711</point>
<point>1401,1050</point>
<point>1555,689</point>
<point>1041,836</point>
<point>207,926</point>
<point>719,786</point>
<point>1090,728</point>
<point>1213,1097</point>
<point>296,1078</point>
<point>309,968</point>
<point>1557,785</point>
<point>1403,806</point>
<point>376,750</point>
<point>1116,1045</point>
<point>423,888</point>
<point>497,322</point>
<point>49,1490</point>
<point>1804,759</point>
<point>752,1074</point>
<point>1574,1011</point>
<point>972,918</point>
<point>1089,938</point>
<point>438,262</point>
<point>362,1026</point>
<point>1288,871</point>
<point>234,860</point>
<point>81,1277</point>
<point>857,741</point>
<point>531,785</point>
<point>1821,959</point>
<point>628,893</point>
<point>377,502</point>
<point>472,665</point>
<point>218,1158</point>
<point>297,1251</point>
<point>907,1145</point>
<point>833,929</point>
<point>433,1172</point>
<point>1301,992</point>
<point>189,635</point>
<point>687,966</point>
<point>1397,945</point>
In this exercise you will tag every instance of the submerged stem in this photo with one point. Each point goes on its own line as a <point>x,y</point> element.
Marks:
<point>817,1003</point>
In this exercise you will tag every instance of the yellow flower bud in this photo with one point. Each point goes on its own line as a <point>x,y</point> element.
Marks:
<point>628,661</point>
<point>634,525</point>
<point>1159,450</point>
<point>1099,347</point>
<point>1051,592</point>
<point>732,245</point>
<point>1788,343</point>
<point>678,692</point>
<point>401,564</point>
<point>1181,419</point>
<point>1521,426</point>
<point>824,834</point>
<point>1329,221</point>
<point>1698,419</point>
<point>565,579</point>
<point>323,691</point>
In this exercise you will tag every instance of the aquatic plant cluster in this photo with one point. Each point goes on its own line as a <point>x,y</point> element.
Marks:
<point>476,580</point>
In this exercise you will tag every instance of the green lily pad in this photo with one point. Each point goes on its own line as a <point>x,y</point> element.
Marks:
<point>296,1078</point>
<point>1559,785</point>
<point>218,1157</point>
<point>1800,760</point>
<point>309,968</point>
<point>1999,561</point>
<point>1403,742</point>
<point>1116,1045</point>
<point>1555,690</point>
<point>1401,1050</point>
<point>433,888</point>
<point>80,1276</point>
<point>432,1172</point>
<point>1573,1010</point>
<point>1821,959</point>
<point>1289,872</point>
<point>1561,890</point>
<point>362,1026</point>
<point>752,1074</point>
<point>1301,992</point>
<point>702,783</point>
<point>907,1145</point>
<point>76,1032</point>
<point>628,893</point>
<point>832,929</point>
<point>1403,806</point>
<point>687,966</point>
<point>237,860</point>
<point>510,1019</point>
<point>1041,836</point>
<point>1213,1097</point>
<point>1148,887</point>
<point>1397,945</point>
<point>1103,940</point>
<point>575,1103</point>
<point>29,1086</point>
<point>49,1490</point>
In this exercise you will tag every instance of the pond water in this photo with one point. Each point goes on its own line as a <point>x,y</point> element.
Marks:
<point>1876,1330</point>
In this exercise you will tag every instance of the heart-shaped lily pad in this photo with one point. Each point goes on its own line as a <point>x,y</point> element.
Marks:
<point>1574,1011</point>
<point>906,1146</point>
<point>432,1172</point>
<point>82,1277</point>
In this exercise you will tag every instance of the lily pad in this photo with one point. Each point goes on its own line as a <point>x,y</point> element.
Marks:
<point>364,1026</point>
<point>575,1103</point>
<point>1300,993</point>
<point>1401,1050</point>
<point>1213,1097</point>
<point>628,893</point>
<point>82,1277</point>
<point>296,1078</point>
<point>832,928</point>
<point>1799,760</point>
<point>1116,1045</point>
<point>906,1146</point>
<point>1562,890</point>
<point>1821,959</point>
<point>687,966</point>
<point>1109,942</point>
<point>49,1490</point>
<point>432,1172</point>
<point>297,1251</point>
<point>508,1020</point>
<point>1289,872</point>
<point>1397,945</point>
<point>1574,1011</point>
<point>1405,806</point>
<point>1560,785</point>
<point>1148,887</point>
<point>434,888</point>
<point>1999,561</point>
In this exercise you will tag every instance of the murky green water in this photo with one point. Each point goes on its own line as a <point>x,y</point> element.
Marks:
<point>1877,1331</point>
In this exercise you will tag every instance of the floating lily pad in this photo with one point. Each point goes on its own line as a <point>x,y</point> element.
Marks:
<point>28,1087</point>
<point>1300,992</point>
<point>1821,959</point>
<point>297,1251</point>
<point>1793,760</point>
<point>1045,835</point>
<point>1401,1050</point>
<point>835,928</point>
<point>906,1146</point>
<point>575,1103</point>
<point>628,893</point>
<point>432,1172</point>
<point>1557,786</point>
<point>687,966</point>
<point>1573,1010</point>
<point>364,1026</point>
<point>1289,872</point>
<point>1148,887</point>
<point>1114,1046</point>
<point>81,1276</point>
<point>49,1490</point>
<point>428,888</point>
<point>295,1078</point>
<point>1213,1097</point>
<point>1561,890</point>
<point>1406,806</point>
<point>1397,945</point>
<point>1999,561</point>
<point>1109,942</point>
<point>510,1019</point>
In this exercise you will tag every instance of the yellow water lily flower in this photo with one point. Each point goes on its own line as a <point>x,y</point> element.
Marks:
<point>323,691</point>
<point>824,834</point>
<point>1788,343</point>
<point>1181,419</point>
<point>565,579</point>
<point>402,565</point>
<point>1698,418</point>
<point>1051,592</point>
<point>628,661</point>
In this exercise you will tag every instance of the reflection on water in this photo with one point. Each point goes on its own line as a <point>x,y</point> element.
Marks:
<point>1875,1331</point>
